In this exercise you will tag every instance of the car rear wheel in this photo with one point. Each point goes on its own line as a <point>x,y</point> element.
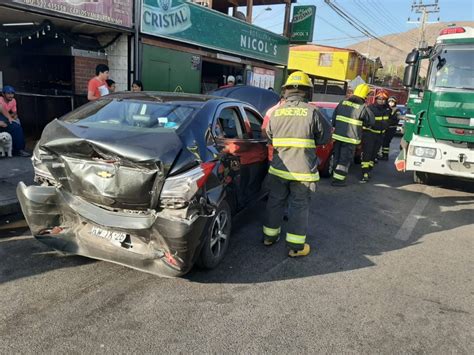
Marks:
<point>327,170</point>
<point>217,239</point>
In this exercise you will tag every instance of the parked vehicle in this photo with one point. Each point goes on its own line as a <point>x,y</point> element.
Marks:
<point>261,99</point>
<point>147,180</point>
<point>403,111</point>
<point>439,132</point>
<point>325,152</point>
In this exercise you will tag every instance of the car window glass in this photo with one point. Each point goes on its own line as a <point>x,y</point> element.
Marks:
<point>255,124</point>
<point>327,112</point>
<point>134,114</point>
<point>228,124</point>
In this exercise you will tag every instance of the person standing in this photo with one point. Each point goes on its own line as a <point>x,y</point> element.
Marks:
<point>294,129</point>
<point>111,85</point>
<point>348,118</point>
<point>230,82</point>
<point>137,86</point>
<point>97,86</point>
<point>372,137</point>
<point>9,121</point>
<point>394,118</point>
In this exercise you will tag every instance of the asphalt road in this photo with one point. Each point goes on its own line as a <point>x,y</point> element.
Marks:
<point>391,271</point>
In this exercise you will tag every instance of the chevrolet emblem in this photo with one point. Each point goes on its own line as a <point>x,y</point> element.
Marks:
<point>105,174</point>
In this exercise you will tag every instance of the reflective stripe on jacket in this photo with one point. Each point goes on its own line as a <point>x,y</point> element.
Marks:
<point>382,114</point>
<point>348,118</point>
<point>294,130</point>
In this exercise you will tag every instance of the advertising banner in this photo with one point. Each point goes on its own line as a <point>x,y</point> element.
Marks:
<point>113,12</point>
<point>190,23</point>
<point>263,78</point>
<point>302,25</point>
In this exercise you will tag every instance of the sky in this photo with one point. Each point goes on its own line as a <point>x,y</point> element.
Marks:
<point>382,17</point>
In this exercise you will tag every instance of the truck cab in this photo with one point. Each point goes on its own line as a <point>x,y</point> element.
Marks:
<point>439,130</point>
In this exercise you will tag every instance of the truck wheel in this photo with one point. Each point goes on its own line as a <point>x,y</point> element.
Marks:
<point>217,239</point>
<point>420,177</point>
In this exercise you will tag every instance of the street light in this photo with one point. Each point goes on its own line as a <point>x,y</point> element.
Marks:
<point>268,8</point>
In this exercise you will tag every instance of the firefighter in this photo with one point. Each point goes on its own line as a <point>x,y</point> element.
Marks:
<point>294,129</point>
<point>372,137</point>
<point>348,118</point>
<point>394,118</point>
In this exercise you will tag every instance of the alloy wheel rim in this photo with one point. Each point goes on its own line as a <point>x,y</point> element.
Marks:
<point>219,233</point>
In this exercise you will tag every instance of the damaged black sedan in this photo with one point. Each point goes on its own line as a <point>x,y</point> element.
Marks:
<point>146,180</point>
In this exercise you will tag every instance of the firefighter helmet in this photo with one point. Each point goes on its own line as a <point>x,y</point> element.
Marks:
<point>383,94</point>
<point>362,90</point>
<point>392,98</point>
<point>298,78</point>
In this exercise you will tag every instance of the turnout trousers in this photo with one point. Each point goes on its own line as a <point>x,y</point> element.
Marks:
<point>298,195</point>
<point>343,157</point>
<point>371,143</point>
<point>387,139</point>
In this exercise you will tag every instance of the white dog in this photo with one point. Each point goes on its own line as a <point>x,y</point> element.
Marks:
<point>5,144</point>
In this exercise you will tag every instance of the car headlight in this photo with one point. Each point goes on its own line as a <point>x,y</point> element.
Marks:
<point>424,152</point>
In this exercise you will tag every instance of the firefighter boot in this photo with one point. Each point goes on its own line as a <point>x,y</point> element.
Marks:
<point>303,252</point>
<point>267,241</point>
<point>365,178</point>
<point>340,183</point>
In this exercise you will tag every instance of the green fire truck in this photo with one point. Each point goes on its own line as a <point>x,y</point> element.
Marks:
<point>439,126</point>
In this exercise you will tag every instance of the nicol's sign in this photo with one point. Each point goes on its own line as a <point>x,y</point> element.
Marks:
<point>190,23</point>
<point>302,25</point>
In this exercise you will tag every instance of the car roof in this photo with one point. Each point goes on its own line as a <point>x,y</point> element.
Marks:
<point>325,104</point>
<point>161,96</point>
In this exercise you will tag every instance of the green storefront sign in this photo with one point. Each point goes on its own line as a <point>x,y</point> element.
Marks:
<point>302,25</point>
<point>186,22</point>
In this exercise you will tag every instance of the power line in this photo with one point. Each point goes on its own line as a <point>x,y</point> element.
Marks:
<point>357,24</point>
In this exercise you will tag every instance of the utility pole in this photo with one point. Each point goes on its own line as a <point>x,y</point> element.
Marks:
<point>425,10</point>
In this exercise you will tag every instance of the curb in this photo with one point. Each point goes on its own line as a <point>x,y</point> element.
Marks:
<point>9,207</point>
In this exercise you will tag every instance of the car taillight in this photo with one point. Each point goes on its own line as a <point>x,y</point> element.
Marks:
<point>178,190</point>
<point>452,30</point>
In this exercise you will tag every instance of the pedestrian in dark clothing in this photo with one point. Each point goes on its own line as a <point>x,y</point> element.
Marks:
<point>373,136</point>
<point>348,118</point>
<point>294,129</point>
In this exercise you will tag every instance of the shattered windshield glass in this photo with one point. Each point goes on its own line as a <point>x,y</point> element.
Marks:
<point>134,114</point>
<point>453,67</point>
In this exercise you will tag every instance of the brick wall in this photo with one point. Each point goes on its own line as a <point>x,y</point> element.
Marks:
<point>84,70</point>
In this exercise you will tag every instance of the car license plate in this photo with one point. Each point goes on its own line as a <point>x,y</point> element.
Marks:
<point>113,236</point>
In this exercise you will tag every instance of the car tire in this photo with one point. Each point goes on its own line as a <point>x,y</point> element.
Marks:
<point>420,177</point>
<point>327,170</point>
<point>217,238</point>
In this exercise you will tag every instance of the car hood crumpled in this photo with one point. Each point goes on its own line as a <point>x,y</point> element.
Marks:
<point>116,168</point>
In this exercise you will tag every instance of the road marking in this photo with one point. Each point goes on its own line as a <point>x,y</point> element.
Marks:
<point>405,231</point>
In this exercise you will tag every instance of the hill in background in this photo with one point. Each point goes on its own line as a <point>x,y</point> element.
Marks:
<point>393,59</point>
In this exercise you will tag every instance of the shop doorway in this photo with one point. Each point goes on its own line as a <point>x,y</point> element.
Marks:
<point>215,74</point>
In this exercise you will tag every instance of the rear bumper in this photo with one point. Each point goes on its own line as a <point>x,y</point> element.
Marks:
<point>158,243</point>
<point>450,160</point>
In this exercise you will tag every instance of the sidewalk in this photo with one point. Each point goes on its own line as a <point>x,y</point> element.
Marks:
<point>12,171</point>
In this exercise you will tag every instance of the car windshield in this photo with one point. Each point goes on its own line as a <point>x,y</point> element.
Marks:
<point>134,114</point>
<point>452,67</point>
<point>327,112</point>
